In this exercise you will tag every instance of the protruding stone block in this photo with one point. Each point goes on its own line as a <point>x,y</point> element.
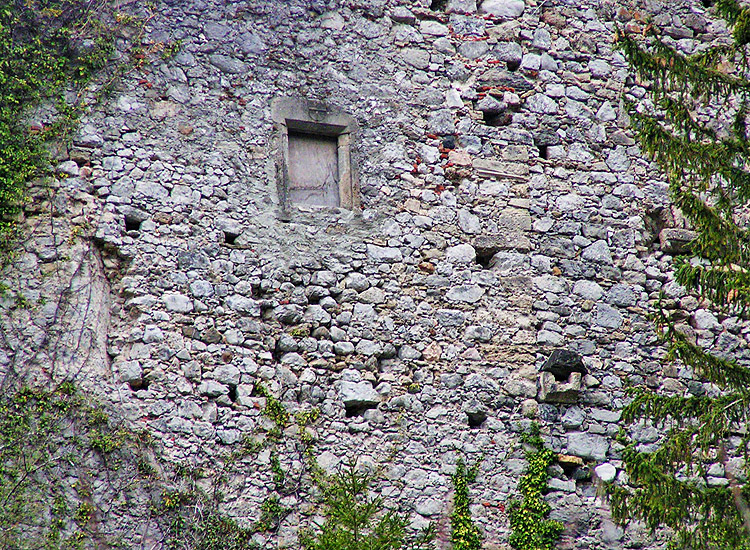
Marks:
<point>562,363</point>
<point>358,396</point>
<point>606,472</point>
<point>560,378</point>
<point>131,373</point>
<point>552,391</point>
<point>588,446</point>
<point>675,241</point>
<point>505,9</point>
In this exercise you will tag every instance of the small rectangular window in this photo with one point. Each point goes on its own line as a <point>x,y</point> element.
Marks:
<point>313,170</point>
<point>314,163</point>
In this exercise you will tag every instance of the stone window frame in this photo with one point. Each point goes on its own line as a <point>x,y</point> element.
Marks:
<point>315,118</point>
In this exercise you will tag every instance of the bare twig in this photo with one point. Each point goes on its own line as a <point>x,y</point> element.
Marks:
<point>734,487</point>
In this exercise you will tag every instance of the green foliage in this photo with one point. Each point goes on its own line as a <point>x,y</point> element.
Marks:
<point>304,419</point>
<point>737,16</point>
<point>530,527</point>
<point>49,51</point>
<point>696,132</point>
<point>67,470</point>
<point>356,520</point>
<point>271,514</point>
<point>209,531</point>
<point>84,513</point>
<point>171,49</point>
<point>49,462</point>
<point>60,455</point>
<point>464,534</point>
<point>273,409</point>
<point>278,472</point>
<point>44,47</point>
<point>192,511</point>
<point>188,509</point>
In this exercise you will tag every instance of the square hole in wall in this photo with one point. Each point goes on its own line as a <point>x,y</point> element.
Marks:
<point>132,223</point>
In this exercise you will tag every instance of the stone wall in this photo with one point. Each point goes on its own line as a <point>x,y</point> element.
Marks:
<point>505,212</point>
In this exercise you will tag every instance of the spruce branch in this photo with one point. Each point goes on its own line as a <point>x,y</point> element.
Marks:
<point>669,71</point>
<point>673,481</point>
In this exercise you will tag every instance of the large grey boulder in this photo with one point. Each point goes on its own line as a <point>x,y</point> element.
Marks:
<point>587,445</point>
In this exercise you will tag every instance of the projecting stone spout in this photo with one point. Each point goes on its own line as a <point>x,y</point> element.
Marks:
<point>560,377</point>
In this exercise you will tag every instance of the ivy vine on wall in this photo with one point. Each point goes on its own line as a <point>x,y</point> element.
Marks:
<point>465,534</point>
<point>530,527</point>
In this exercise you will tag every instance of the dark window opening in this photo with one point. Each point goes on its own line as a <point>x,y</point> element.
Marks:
<point>140,384</point>
<point>230,237</point>
<point>569,468</point>
<point>485,255</point>
<point>577,472</point>
<point>582,474</point>
<point>232,393</point>
<point>476,419</point>
<point>543,153</point>
<point>358,409</point>
<point>439,5</point>
<point>496,119</point>
<point>512,66</point>
<point>132,224</point>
